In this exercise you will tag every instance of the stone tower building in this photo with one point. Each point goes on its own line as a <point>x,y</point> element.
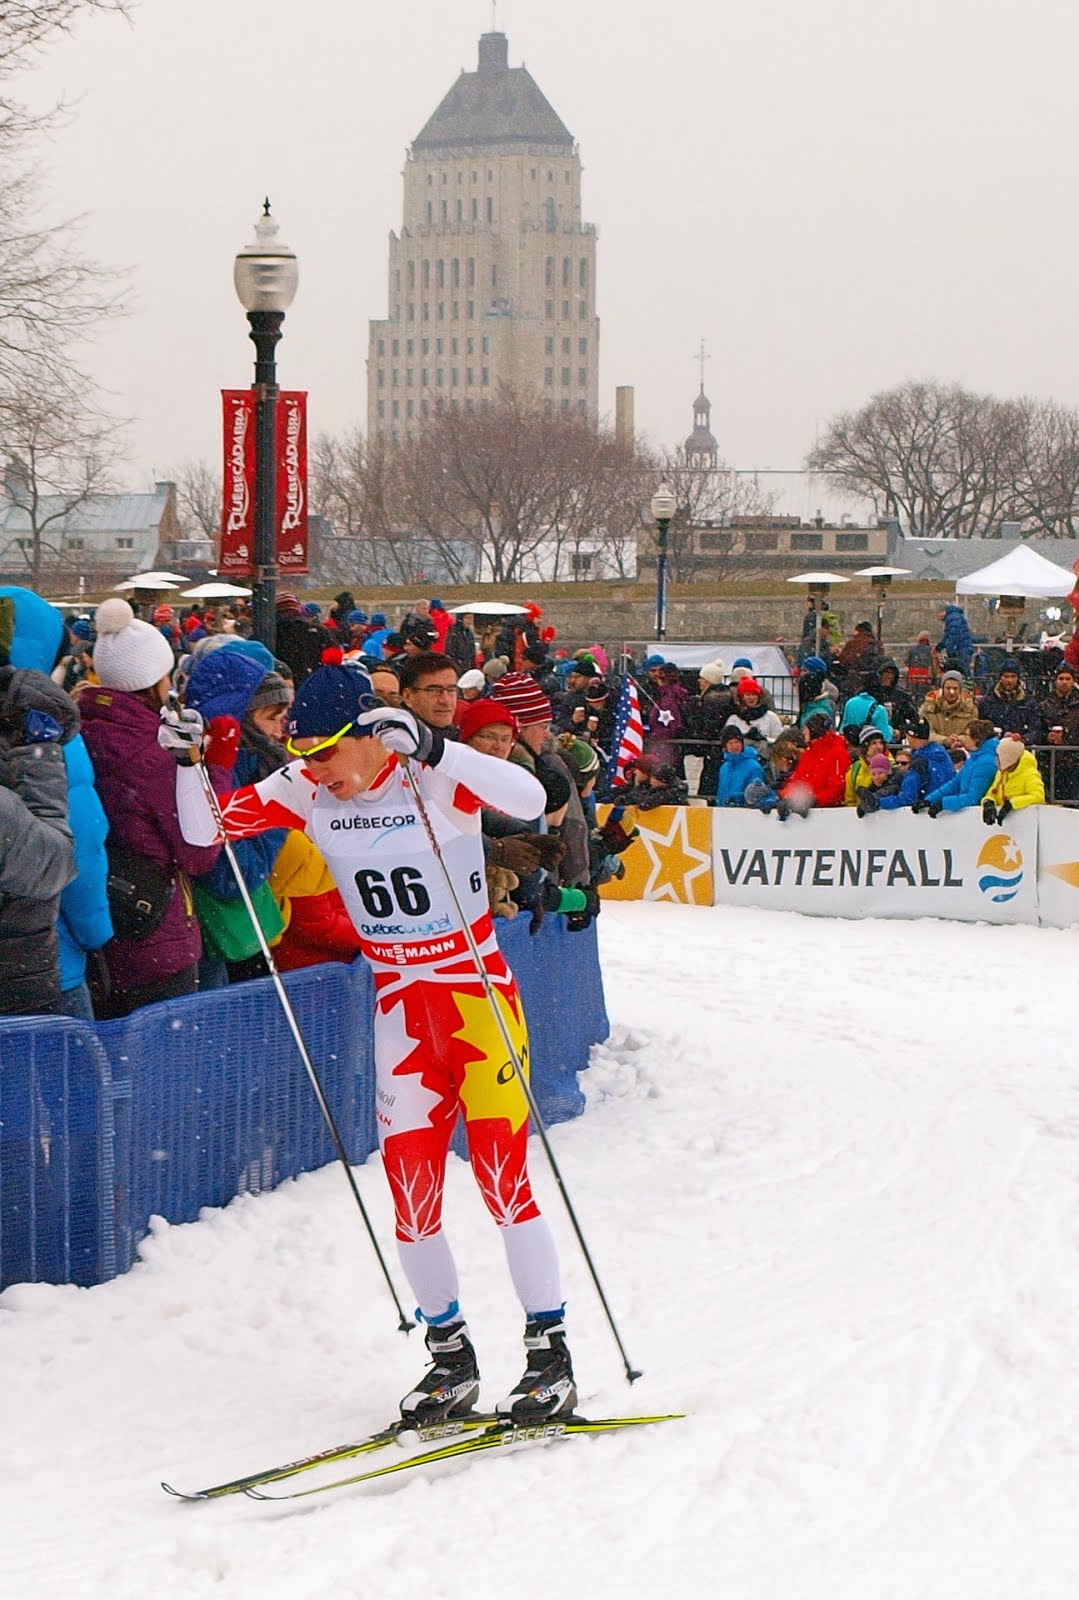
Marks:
<point>702,451</point>
<point>492,278</point>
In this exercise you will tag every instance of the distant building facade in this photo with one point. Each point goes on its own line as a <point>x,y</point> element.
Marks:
<point>96,543</point>
<point>492,279</point>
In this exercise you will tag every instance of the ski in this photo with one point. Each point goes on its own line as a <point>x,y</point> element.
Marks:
<point>493,1436</point>
<point>445,1429</point>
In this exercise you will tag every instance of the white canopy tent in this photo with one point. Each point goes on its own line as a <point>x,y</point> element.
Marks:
<point>1021,572</point>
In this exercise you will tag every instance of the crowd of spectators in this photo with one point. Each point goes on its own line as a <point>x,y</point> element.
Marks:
<point>104,907</point>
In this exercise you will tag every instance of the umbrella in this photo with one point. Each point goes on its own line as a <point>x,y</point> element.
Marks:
<point>819,577</point>
<point>489,608</point>
<point>216,591</point>
<point>1023,573</point>
<point>155,579</point>
<point>145,583</point>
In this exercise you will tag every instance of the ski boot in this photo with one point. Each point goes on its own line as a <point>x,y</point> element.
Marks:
<point>451,1385</point>
<point>546,1390</point>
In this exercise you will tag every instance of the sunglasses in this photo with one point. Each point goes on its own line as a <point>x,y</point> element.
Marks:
<point>322,751</point>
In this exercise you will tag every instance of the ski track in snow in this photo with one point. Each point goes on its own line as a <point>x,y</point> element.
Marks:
<point>828,1175</point>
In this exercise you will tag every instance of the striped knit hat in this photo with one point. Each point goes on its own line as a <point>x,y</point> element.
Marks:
<point>520,693</point>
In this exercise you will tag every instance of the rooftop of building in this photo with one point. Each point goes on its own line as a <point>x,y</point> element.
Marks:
<point>102,513</point>
<point>496,104</point>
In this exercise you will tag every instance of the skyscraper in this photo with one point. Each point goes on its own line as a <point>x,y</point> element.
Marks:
<point>492,278</point>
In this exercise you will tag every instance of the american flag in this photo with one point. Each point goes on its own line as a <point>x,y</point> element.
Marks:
<point>628,741</point>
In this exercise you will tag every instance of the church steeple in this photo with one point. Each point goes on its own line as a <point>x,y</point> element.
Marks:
<point>702,451</point>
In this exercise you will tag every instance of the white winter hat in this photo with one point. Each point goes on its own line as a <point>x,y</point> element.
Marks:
<point>472,679</point>
<point>128,654</point>
<point>1009,751</point>
<point>712,672</point>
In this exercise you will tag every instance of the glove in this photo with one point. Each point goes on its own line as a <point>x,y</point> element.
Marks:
<point>223,743</point>
<point>1004,810</point>
<point>615,835</point>
<point>181,734</point>
<point>867,802</point>
<point>919,805</point>
<point>989,814</point>
<point>578,921</point>
<point>783,809</point>
<point>399,730</point>
<point>935,808</point>
<point>517,853</point>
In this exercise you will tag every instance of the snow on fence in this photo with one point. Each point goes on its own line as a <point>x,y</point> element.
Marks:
<point>836,864</point>
<point>190,1102</point>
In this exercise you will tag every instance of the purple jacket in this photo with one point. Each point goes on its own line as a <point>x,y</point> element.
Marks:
<point>136,781</point>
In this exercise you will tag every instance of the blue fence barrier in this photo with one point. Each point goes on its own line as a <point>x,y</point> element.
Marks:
<point>190,1102</point>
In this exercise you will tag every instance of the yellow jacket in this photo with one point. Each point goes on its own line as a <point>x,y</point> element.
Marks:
<point>298,872</point>
<point>858,777</point>
<point>1022,785</point>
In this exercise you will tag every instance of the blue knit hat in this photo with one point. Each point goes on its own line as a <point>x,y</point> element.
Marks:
<point>255,650</point>
<point>223,683</point>
<point>810,664</point>
<point>82,628</point>
<point>436,605</point>
<point>356,616</point>
<point>312,609</point>
<point>331,698</point>
<point>378,618</point>
<point>744,661</point>
<point>653,661</point>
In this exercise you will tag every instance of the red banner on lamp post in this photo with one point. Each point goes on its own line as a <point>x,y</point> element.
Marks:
<point>292,482</point>
<point>236,557</point>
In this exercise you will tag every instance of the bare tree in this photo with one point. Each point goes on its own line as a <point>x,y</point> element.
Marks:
<point>1043,468</point>
<point>715,495</point>
<point>198,497</point>
<point>61,453</point>
<point>936,456</point>
<point>51,296</point>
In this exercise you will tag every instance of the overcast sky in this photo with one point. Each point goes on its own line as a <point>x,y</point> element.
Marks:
<point>836,194</point>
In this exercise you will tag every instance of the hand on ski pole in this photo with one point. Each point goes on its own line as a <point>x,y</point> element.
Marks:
<point>181,733</point>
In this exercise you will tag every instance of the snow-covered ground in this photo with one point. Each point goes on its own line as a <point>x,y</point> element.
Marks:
<point>829,1172</point>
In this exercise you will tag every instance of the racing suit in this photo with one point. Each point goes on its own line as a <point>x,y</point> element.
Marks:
<point>438,1048</point>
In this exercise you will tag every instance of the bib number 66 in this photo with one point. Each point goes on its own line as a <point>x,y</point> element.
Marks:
<point>405,889</point>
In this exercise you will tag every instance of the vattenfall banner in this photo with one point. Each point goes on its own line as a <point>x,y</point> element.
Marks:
<point>891,864</point>
<point>238,509</point>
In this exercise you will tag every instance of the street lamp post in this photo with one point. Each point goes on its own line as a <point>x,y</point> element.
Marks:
<point>881,578</point>
<point>664,506</point>
<point>265,275</point>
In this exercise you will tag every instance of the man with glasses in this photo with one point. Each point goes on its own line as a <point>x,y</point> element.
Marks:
<point>428,684</point>
<point>439,1051</point>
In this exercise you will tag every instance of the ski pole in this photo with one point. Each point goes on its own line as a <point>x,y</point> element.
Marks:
<point>403,1323</point>
<point>632,1373</point>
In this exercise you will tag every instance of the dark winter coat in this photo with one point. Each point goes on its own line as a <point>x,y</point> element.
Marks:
<point>901,709</point>
<point>136,780</point>
<point>709,715</point>
<point>1018,713</point>
<point>37,851</point>
<point>460,646</point>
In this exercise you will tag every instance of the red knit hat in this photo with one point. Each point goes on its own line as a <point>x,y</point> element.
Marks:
<point>749,686</point>
<point>521,694</point>
<point>479,714</point>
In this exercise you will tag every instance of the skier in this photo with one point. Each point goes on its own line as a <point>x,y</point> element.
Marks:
<point>438,1047</point>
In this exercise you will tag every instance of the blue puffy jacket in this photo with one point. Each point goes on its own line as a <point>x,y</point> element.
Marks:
<point>84,922</point>
<point>737,769</point>
<point>971,781</point>
<point>956,641</point>
<point>930,768</point>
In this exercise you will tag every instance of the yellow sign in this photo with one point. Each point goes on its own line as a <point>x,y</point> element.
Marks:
<point>670,860</point>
